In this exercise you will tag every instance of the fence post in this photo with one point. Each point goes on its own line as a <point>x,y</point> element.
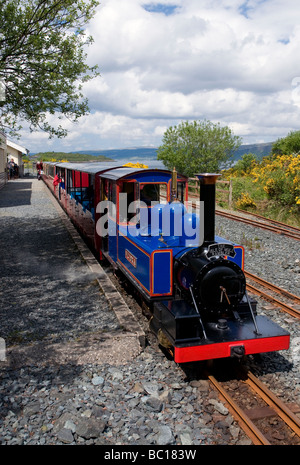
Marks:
<point>230,195</point>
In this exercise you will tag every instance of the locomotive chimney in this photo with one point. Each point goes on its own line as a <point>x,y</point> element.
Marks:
<point>208,197</point>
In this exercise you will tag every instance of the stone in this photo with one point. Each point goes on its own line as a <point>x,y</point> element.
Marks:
<point>154,403</point>
<point>98,412</point>
<point>69,424</point>
<point>165,436</point>
<point>201,384</point>
<point>65,435</point>
<point>87,413</point>
<point>219,407</point>
<point>138,388</point>
<point>98,380</point>
<point>151,389</point>
<point>90,428</point>
<point>61,421</point>
<point>116,374</point>
<point>234,431</point>
<point>165,396</point>
<point>32,409</point>
<point>185,439</point>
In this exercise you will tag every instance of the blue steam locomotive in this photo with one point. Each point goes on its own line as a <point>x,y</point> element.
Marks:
<point>140,220</point>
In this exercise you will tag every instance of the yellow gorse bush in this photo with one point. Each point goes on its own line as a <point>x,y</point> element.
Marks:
<point>280,177</point>
<point>245,201</point>
<point>136,165</point>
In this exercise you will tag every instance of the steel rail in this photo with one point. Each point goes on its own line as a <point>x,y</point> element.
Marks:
<point>258,224</point>
<point>285,225</point>
<point>272,287</point>
<point>244,421</point>
<point>274,402</point>
<point>285,307</point>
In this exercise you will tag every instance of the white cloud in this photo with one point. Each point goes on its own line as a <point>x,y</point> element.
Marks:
<point>230,61</point>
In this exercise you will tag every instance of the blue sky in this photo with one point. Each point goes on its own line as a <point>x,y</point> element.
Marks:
<point>229,61</point>
<point>160,8</point>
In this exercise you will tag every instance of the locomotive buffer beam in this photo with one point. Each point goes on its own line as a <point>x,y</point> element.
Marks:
<point>194,339</point>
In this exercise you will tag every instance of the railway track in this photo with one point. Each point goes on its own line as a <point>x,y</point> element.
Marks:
<point>261,414</point>
<point>263,218</point>
<point>279,228</point>
<point>287,307</point>
<point>283,230</point>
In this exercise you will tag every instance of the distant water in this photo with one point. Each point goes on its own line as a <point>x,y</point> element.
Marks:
<point>146,156</point>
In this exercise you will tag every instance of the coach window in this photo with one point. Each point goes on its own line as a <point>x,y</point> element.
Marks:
<point>69,181</point>
<point>62,176</point>
<point>88,192</point>
<point>50,170</point>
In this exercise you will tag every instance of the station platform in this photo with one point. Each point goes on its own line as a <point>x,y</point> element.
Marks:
<point>57,305</point>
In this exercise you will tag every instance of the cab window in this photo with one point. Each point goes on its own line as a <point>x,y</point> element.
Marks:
<point>153,193</point>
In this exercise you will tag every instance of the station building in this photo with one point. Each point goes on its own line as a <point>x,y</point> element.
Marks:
<point>10,151</point>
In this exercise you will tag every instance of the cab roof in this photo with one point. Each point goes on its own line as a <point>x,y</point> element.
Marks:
<point>141,174</point>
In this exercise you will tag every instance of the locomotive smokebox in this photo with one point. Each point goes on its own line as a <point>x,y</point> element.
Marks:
<point>208,197</point>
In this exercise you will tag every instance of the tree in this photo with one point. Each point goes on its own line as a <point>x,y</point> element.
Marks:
<point>199,146</point>
<point>287,145</point>
<point>245,164</point>
<point>42,62</point>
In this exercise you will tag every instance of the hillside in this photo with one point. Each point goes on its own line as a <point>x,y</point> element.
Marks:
<point>147,153</point>
<point>71,157</point>
<point>260,150</point>
<point>136,154</point>
<point>132,154</point>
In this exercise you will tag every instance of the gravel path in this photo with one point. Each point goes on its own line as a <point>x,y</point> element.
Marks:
<point>49,296</point>
<point>47,290</point>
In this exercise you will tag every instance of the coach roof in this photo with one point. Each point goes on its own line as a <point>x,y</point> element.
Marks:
<point>89,167</point>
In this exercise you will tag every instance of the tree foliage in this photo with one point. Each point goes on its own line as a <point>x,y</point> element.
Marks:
<point>199,146</point>
<point>287,145</point>
<point>245,164</point>
<point>42,61</point>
